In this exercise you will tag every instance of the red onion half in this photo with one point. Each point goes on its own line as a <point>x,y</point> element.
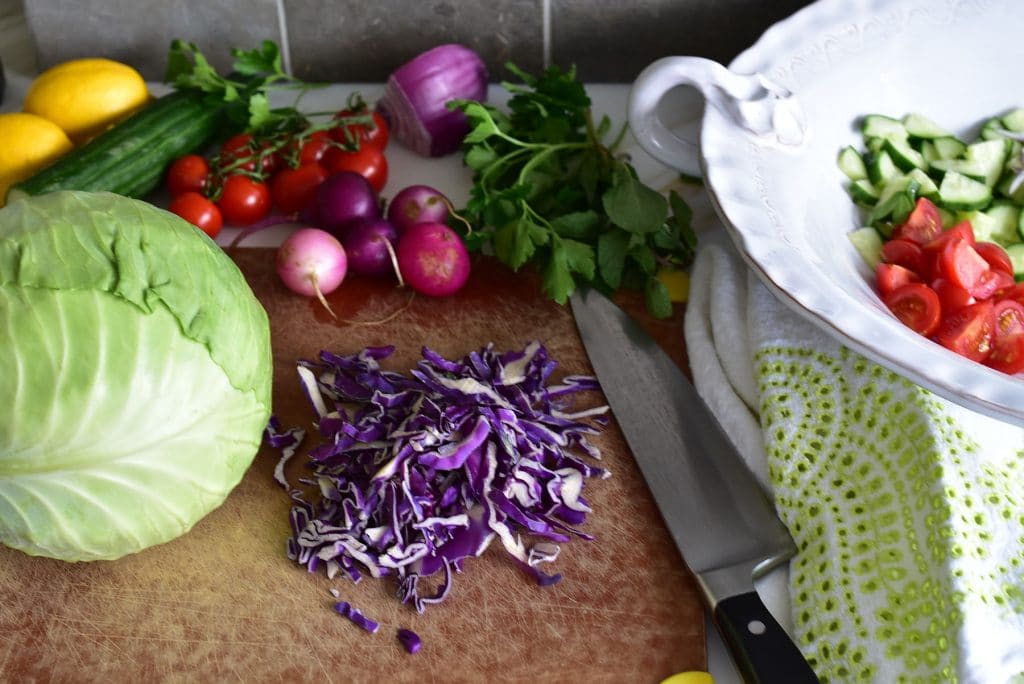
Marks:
<point>416,97</point>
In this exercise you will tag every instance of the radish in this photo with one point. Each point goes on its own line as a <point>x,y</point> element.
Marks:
<point>432,259</point>
<point>312,263</point>
<point>343,199</point>
<point>417,204</point>
<point>368,244</point>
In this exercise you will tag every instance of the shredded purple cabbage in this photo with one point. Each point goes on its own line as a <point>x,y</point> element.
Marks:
<point>356,617</point>
<point>416,473</point>
<point>410,640</point>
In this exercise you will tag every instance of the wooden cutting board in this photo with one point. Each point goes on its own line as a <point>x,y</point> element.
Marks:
<point>224,603</point>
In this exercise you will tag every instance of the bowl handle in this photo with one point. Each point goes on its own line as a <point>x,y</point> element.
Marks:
<point>752,103</point>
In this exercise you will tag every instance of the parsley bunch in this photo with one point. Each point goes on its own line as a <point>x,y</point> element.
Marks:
<point>245,93</point>
<point>549,191</point>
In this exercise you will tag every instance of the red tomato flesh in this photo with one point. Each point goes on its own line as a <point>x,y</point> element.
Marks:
<point>923,225</point>
<point>903,253</point>
<point>890,277</point>
<point>916,305</point>
<point>961,264</point>
<point>969,331</point>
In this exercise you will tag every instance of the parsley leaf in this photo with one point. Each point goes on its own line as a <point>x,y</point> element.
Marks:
<point>549,192</point>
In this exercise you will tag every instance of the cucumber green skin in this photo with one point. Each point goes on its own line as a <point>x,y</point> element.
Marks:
<point>130,158</point>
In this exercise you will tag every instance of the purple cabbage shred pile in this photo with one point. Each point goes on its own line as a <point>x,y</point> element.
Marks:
<point>415,473</point>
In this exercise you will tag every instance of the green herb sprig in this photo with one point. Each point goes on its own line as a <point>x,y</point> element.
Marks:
<point>244,96</point>
<point>549,191</point>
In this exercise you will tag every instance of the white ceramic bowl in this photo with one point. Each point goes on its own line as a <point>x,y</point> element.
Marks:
<point>775,120</point>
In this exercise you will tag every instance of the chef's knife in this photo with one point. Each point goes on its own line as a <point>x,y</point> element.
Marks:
<point>721,521</point>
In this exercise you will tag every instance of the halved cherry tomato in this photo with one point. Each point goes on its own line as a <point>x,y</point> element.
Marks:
<point>995,255</point>
<point>962,230</point>
<point>1008,337</point>
<point>1014,292</point>
<point>969,331</point>
<point>932,251</point>
<point>951,297</point>
<point>991,283</point>
<point>1007,354</point>
<point>962,265</point>
<point>244,201</point>
<point>367,161</point>
<point>904,253</point>
<point>347,133</point>
<point>189,173</point>
<point>890,277</point>
<point>923,225</point>
<point>916,305</point>
<point>199,211</point>
<point>293,189</point>
<point>1009,317</point>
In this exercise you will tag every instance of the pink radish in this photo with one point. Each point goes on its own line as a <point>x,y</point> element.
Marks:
<point>417,204</point>
<point>312,263</point>
<point>432,259</point>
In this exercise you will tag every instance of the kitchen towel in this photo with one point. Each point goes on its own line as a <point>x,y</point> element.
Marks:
<point>907,509</point>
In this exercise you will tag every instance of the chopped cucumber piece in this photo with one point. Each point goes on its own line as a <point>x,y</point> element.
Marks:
<point>903,155</point>
<point>982,161</point>
<point>881,168</point>
<point>881,126</point>
<point>984,225</point>
<point>1006,188</point>
<point>1014,120</point>
<point>991,129</point>
<point>868,244</point>
<point>1006,218</point>
<point>1016,254</point>
<point>852,164</point>
<point>960,193</point>
<point>919,126</point>
<point>864,192</point>
<point>949,147</point>
<point>894,205</point>
<point>926,186</point>
<point>946,217</point>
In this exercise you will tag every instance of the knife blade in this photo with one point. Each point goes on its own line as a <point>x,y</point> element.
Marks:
<point>721,521</point>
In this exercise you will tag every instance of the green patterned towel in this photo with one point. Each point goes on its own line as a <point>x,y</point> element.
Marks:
<point>908,510</point>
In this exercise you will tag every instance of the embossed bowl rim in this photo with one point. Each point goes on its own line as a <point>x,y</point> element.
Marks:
<point>787,210</point>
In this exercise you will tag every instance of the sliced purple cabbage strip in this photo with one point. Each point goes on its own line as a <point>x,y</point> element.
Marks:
<point>356,617</point>
<point>411,641</point>
<point>415,473</point>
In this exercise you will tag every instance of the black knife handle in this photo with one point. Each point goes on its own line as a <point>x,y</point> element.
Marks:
<point>763,651</point>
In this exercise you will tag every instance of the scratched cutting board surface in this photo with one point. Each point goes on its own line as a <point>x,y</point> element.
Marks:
<point>224,602</point>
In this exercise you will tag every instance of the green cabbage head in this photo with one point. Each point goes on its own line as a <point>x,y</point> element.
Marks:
<point>135,375</point>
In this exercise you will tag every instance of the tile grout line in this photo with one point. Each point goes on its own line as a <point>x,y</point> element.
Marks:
<point>282,28</point>
<point>545,29</point>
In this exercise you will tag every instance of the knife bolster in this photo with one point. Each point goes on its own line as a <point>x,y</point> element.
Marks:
<point>735,579</point>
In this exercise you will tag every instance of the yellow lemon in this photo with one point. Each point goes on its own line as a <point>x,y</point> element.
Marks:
<point>27,144</point>
<point>693,677</point>
<point>85,96</point>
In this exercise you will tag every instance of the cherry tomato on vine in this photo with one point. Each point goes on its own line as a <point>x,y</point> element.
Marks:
<point>189,173</point>
<point>244,201</point>
<point>376,135</point>
<point>293,189</point>
<point>313,148</point>
<point>367,161</point>
<point>199,211</point>
<point>240,153</point>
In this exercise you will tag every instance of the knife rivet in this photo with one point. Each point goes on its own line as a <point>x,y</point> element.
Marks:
<point>756,627</point>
